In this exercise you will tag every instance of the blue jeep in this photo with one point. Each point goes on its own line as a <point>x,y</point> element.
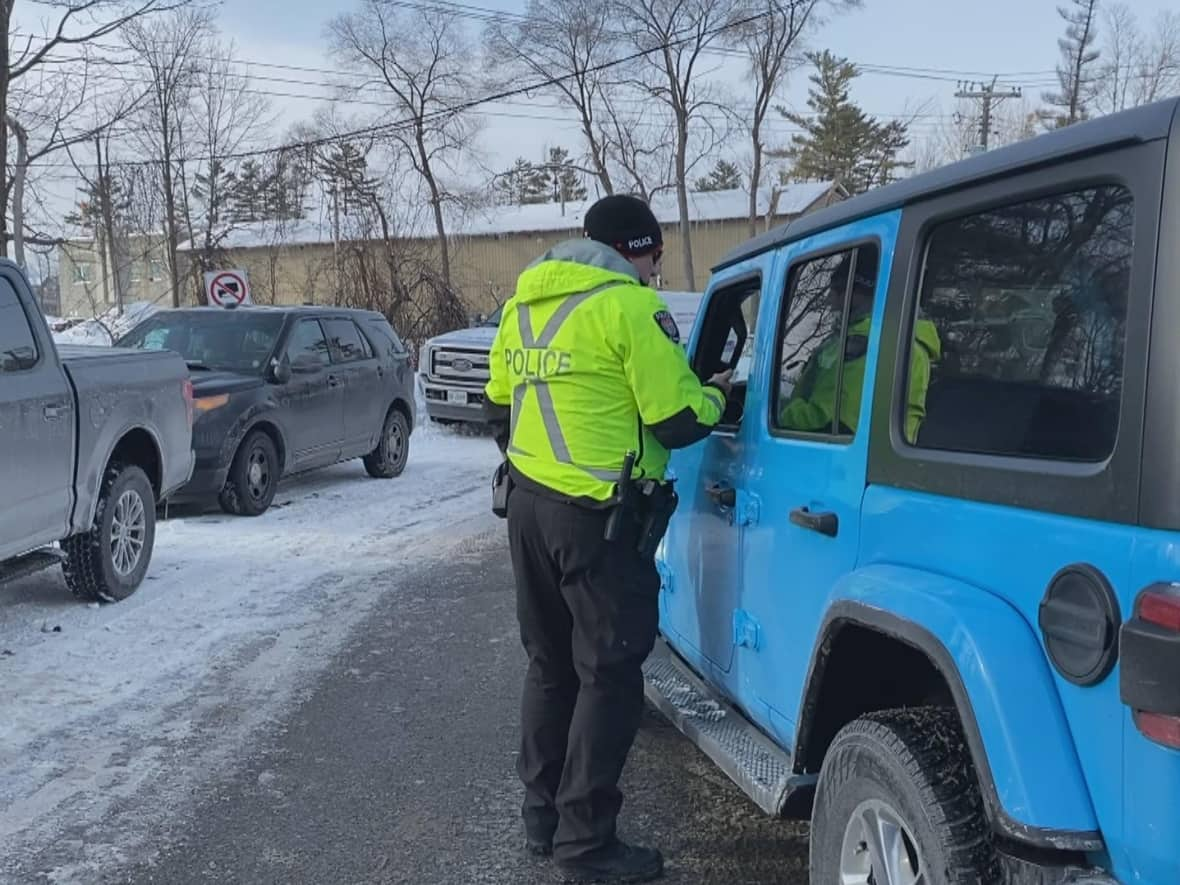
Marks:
<point>923,588</point>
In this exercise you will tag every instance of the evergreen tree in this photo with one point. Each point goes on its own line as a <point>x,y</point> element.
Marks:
<point>1077,72</point>
<point>270,192</point>
<point>211,190</point>
<point>725,176</point>
<point>246,194</point>
<point>565,179</point>
<point>523,185</point>
<point>345,169</point>
<point>840,142</point>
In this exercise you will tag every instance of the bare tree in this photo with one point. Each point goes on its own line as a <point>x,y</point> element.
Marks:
<point>770,41</point>
<point>570,43</point>
<point>675,35</point>
<point>70,24</point>
<point>1138,67</point>
<point>639,140</point>
<point>228,118</point>
<point>422,59</point>
<point>1159,66</point>
<point>170,49</point>
<point>49,111</point>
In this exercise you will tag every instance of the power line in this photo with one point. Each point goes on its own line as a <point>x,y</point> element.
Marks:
<point>986,95</point>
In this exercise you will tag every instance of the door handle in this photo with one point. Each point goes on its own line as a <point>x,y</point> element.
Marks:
<point>333,381</point>
<point>824,523</point>
<point>723,495</point>
<point>53,411</point>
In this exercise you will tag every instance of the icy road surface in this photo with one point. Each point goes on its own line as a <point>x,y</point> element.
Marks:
<point>116,713</point>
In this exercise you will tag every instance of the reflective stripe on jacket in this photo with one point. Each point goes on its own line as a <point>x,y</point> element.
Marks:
<point>588,360</point>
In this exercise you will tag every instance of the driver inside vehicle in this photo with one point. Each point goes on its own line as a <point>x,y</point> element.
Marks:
<point>812,403</point>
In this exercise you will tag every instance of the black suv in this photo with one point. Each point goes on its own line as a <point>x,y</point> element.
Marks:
<point>285,390</point>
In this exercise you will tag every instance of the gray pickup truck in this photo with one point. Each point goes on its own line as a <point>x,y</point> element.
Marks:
<point>92,439</point>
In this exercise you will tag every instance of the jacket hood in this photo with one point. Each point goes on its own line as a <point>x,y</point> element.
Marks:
<point>571,267</point>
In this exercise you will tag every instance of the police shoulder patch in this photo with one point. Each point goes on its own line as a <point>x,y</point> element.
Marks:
<point>668,325</point>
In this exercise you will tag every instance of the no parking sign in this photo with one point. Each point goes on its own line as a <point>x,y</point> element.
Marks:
<point>227,288</point>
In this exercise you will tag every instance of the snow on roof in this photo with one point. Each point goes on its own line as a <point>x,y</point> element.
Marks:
<point>793,199</point>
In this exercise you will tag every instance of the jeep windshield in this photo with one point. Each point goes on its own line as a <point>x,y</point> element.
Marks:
<point>231,341</point>
<point>494,320</point>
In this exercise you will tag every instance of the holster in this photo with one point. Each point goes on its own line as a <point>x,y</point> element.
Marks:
<point>658,502</point>
<point>501,489</point>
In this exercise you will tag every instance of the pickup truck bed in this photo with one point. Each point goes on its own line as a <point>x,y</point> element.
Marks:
<point>117,390</point>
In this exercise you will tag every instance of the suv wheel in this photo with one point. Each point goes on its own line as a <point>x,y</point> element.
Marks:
<point>253,477</point>
<point>389,458</point>
<point>898,803</point>
<point>108,563</point>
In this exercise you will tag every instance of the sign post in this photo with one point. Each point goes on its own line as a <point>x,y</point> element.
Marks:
<point>227,288</point>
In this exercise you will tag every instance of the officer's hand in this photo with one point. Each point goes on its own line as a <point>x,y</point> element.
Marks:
<point>723,381</point>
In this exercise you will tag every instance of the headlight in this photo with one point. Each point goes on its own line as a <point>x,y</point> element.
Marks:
<point>203,404</point>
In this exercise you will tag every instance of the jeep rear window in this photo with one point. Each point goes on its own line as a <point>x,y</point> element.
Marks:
<point>1030,304</point>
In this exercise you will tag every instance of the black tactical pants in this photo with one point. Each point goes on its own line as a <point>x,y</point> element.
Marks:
<point>588,612</point>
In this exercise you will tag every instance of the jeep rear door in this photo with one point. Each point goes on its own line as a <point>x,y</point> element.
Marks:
<point>806,461</point>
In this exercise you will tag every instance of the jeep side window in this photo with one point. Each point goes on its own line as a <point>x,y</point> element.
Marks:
<point>823,343</point>
<point>1030,303</point>
<point>726,341</point>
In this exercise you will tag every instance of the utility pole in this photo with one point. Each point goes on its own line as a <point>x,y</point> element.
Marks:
<point>986,94</point>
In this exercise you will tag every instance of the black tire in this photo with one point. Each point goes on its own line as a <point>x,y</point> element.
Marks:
<point>253,477</point>
<point>914,765</point>
<point>389,458</point>
<point>100,567</point>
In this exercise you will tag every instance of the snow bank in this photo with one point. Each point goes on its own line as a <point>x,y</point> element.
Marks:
<point>96,331</point>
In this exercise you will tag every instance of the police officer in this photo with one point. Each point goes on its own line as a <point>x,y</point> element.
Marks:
<point>587,367</point>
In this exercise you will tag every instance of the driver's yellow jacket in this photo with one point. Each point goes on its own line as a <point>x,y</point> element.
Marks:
<point>590,364</point>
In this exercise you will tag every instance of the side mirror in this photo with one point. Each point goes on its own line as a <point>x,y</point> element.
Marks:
<point>280,370</point>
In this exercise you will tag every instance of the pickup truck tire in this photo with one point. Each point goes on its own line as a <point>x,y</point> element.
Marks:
<point>108,563</point>
<point>253,477</point>
<point>900,784</point>
<point>389,458</point>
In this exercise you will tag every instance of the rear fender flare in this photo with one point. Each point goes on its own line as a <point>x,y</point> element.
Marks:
<point>993,663</point>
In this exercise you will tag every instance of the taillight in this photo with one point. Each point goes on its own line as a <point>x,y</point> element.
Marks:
<point>1150,676</point>
<point>1159,728</point>
<point>1161,606</point>
<point>188,401</point>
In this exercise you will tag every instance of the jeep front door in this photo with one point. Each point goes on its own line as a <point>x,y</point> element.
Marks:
<point>703,551</point>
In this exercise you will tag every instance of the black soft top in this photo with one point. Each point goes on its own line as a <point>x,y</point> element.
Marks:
<point>1148,123</point>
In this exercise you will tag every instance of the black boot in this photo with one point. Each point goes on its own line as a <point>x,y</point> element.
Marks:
<point>538,844</point>
<point>620,863</point>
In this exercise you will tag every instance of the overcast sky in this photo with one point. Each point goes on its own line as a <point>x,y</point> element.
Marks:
<point>949,39</point>
<point>1014,38</point>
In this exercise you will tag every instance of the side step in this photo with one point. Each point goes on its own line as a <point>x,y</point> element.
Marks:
<point>29,564</point>
<point>751,760</point>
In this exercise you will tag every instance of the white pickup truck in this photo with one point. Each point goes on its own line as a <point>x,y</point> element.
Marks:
<point>453,368</point>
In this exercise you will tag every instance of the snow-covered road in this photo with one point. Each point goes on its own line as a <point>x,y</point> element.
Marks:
<point>128,708</point>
